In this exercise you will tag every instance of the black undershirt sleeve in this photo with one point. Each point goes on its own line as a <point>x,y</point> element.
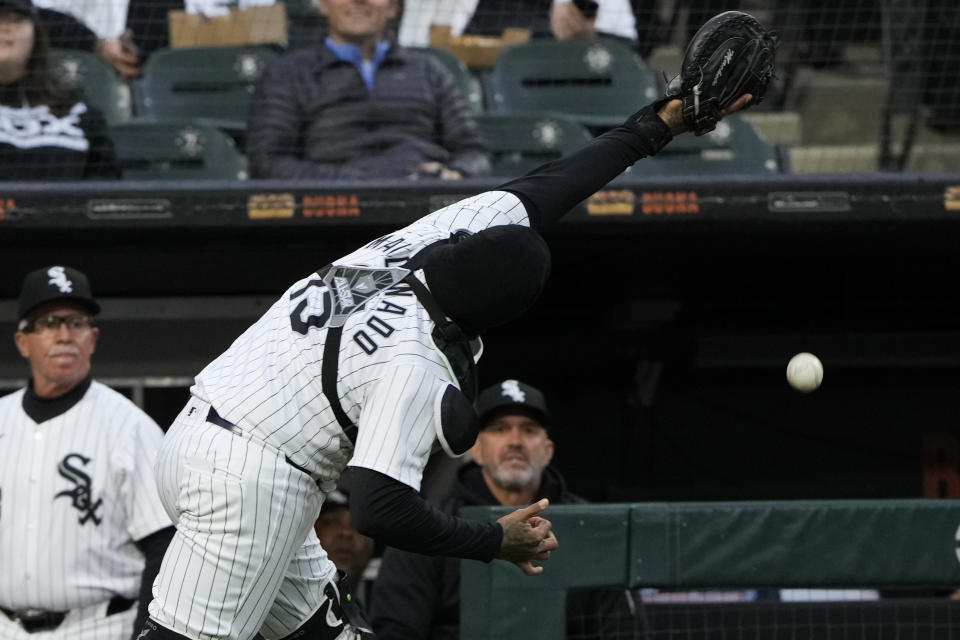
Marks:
<point>552,189</point>
<point>153,547</point>
<point>394,514</point>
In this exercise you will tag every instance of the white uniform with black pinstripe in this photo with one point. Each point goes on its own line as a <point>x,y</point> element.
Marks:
<point>239,563</point>
<point>76,491</point>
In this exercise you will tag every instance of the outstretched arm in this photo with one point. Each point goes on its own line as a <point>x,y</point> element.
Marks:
<point>552,189</point>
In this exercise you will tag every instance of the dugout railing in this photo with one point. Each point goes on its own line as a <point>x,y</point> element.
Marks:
<point>670,315</point>
<point>636,197</point>
<point>833,543</point>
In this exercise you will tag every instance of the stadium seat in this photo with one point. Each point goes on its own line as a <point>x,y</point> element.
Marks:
<point>94,81</point>
<point>733,147</point>
<point>176,149</point>
<point>468,84</point>
<point>519,142</point>
<point>598,82</point>
<point>214,83</point>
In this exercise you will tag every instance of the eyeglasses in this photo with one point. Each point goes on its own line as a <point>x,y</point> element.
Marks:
<point>52,323</point>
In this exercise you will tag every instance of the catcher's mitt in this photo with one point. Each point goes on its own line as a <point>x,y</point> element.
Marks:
<point>731,54</point>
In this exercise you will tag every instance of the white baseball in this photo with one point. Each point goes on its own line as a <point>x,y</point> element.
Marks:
<point>805,372</point>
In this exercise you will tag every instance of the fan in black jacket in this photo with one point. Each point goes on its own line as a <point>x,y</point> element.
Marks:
<point>417,597</point>
<point>45,133</point>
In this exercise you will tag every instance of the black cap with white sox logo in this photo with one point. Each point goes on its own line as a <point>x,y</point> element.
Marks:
<point>512,396</point>
<point>55,283</point>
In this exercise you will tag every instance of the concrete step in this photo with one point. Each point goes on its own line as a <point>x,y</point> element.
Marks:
<point>837,108</point>
<point>775,127</point>
<point>834,158</point>
<point>924,157</point>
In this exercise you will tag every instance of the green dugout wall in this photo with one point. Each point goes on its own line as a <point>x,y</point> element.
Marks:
<point>882,543</point>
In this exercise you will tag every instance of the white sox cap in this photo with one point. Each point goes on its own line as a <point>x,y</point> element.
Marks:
<point>509,397</point>
<point>55,283</point>
<point>335,498</point>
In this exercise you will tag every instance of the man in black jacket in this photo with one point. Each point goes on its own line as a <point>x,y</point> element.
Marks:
<point>358,106</point>
<point>417,597</point>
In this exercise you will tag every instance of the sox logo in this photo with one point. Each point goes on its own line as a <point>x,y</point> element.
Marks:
<point>511,389</point>
<point>58,278</point>
<point>80,495</point>
<point>69,470</point>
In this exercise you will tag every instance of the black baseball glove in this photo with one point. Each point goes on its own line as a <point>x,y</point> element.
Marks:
<point>731,54</point>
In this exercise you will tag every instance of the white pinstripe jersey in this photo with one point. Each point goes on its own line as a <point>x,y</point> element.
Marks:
<point>76,491</point>
<point>390,372</point>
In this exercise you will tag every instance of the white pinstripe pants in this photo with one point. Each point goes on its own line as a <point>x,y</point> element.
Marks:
<point>245,557</point>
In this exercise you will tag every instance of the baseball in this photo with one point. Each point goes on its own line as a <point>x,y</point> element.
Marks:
<point>804,372</point>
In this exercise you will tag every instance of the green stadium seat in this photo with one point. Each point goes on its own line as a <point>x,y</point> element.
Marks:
<point>94,81</point>
<point>597,82</point>
<point>176,149</point>
<point>520,142</point>
<point>733,147</point>
<point>214,83</point>
<point>468,84</point>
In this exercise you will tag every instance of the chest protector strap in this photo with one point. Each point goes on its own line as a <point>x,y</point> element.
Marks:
<point>449,338</point>
<point>328,381</point>
<point>447,335</point>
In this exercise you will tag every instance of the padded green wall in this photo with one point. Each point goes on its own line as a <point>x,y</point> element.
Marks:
<point>837,543</point>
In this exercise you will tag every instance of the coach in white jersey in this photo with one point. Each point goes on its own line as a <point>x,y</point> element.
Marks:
<point>82,531</point>
<point>368,362</point>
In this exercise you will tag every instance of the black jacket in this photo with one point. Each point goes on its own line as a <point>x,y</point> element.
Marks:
<point>417,597</point>
<point>313,117</point>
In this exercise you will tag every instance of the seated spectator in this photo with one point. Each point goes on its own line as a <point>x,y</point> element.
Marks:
<point>636,21</point>
<point>45,133</point>
<point>417,597</point>
<point>346,547</point>
<point>358,107</point>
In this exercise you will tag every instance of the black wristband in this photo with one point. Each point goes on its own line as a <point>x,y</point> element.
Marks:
<point>650,127</point>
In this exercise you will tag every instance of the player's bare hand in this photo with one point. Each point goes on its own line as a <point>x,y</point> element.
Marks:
<point>526,537</point>
<point>672,112</point>
<point>672,115</point>
<point>547,545</point>
<point>741,103</point>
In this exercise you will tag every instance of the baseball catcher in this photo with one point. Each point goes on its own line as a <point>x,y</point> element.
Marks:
<point>369,362</point>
